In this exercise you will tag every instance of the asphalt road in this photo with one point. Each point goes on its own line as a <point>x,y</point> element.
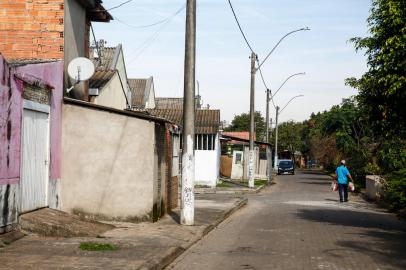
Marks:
<point>298,223</point>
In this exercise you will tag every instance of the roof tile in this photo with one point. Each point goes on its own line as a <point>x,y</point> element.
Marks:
<point>206,121</point>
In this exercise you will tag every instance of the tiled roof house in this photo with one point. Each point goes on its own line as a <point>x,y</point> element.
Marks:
<point>143,93</point>
<point>108,86</point>
<point>207,141</point>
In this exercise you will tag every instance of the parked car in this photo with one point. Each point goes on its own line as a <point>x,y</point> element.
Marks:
<point>286,166</point>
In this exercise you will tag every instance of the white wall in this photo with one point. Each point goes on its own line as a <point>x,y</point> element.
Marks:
<point>112,95</point>
<point>107,164</point>
<point>122,71</point>
<point>207,165</point>
<point>150,104</point>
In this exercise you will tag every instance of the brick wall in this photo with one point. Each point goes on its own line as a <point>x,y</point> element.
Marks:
<point>31,29</point>
<point>37,94</point>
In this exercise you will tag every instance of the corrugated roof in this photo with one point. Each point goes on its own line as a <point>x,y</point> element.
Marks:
<point>107,58</point>
<point>169,103</point>
<point>206,121</point>
<point>100,78</point>
<point>174,103</point>
<point>139,91</point>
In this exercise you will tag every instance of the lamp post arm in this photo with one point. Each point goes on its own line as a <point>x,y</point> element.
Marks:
<point>301,73</point>
<point>289,102</point>
<point>277,44</point>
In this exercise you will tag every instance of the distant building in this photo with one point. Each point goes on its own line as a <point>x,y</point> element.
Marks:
<point>207,141</point>
<point>109,86</point>
<point>143,93</point>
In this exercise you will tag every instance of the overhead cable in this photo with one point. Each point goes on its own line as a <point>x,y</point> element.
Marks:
<point>239,26</point>
<point>122,4</point>
<point>148,42</point>
<point>266,86</point>
<point>155,23</point>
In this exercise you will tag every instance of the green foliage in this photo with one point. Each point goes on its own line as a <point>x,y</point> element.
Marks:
<point>395,192</point>
<point>242,123</point>
<point>382,90</point>
<point>368,130</point>
<point>91,246</point>
<point>290,136</point>
<point>392,155</point>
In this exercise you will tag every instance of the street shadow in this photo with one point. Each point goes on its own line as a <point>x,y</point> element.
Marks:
<point>313,172</point>
<point>385,236</point>
<point>332,200</point>
<point>316,179</point>
<point>316,183</point>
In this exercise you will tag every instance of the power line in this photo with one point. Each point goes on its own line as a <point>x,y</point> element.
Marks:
<point>155,23</point>
<point>239,26</point>
<point>122,4</point>
<point>148,42</point>
<point>266,86</point>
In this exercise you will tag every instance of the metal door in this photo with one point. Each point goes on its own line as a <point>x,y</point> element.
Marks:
<point>35,160</point>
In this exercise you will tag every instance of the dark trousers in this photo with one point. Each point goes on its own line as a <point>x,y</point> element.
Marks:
<point>343,192</point>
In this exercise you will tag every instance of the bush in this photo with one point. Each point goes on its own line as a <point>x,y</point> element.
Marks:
<point>395,191</point>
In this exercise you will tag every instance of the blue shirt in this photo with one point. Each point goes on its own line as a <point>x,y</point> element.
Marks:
<point>342,172</point>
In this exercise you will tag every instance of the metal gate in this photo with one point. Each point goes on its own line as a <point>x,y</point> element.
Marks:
<point>35,156</point>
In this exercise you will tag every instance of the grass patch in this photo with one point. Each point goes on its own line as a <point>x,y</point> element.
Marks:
<point>260,182</point>
<point>91,246</point>
<point>222,184</point>
<point>202,186</point>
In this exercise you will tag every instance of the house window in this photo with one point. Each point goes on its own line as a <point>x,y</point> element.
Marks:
<point>205,142</point>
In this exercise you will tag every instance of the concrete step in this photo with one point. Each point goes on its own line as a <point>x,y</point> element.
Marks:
<point>54,223</point>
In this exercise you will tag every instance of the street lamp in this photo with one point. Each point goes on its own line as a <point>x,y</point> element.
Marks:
<point>276,130</point>
<point>268,91</point>
<point>254,69</point>
<point>277,44</point>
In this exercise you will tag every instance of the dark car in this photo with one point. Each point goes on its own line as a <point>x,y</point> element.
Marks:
<point>286,166</point>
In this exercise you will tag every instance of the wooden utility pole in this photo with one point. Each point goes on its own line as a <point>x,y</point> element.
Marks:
<point>251,159</point>
<point>188,154</point>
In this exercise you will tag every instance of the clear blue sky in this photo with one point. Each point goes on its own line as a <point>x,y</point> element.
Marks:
<point>223,65</point>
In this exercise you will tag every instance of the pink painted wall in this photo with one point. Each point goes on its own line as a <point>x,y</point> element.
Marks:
<point>10,125</point>
<point>11,116</point>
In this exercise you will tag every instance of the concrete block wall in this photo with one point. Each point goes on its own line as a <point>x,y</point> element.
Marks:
<point>374,186</point>
<point>108,167</point>
<point>32,29</point>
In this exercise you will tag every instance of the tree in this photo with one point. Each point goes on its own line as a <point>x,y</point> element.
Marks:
<point>382,90</point>
<point>290,136</point>
<point>242,123</point>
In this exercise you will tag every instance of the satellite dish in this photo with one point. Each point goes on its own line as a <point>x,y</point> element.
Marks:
<point>80,69</point>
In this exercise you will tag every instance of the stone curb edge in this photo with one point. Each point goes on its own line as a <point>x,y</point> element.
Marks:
<point>238,192</point>
<point>175,252</point>
<point>8,238</point>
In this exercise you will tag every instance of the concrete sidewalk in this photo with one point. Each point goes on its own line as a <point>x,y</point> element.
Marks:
<point>139,246</point>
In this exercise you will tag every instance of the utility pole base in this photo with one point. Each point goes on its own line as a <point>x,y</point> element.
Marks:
<point>251,171</point>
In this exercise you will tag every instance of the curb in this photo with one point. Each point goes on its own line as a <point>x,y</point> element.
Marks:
<point>237,191</point>
<point>10,237</point>
<point>175,252</point>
